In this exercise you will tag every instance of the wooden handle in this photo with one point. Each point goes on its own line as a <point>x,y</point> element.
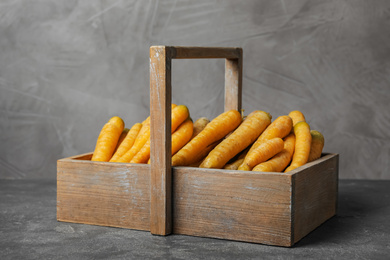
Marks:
<point>160,119</point>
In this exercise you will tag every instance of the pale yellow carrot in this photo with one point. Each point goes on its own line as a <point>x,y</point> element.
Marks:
<point>199,125</point>
<point>317,144</point>
<point>234,165</point>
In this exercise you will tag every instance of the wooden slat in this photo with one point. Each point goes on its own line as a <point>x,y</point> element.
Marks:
<point>235,205</point>
<point>233,83</point>
<point>179,52</point>
<point>160,150</point>
<point>314,194</point>
<point>106,194</point>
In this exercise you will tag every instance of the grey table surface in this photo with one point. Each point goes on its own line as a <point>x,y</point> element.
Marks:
<point>29,230</point>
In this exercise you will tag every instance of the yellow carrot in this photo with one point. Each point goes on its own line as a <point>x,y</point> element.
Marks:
<point>281,160</point>
<point>214,131</point>
<point>198,158</point>
<point>236,162</point>
<point>199,125</point>
<point>145,125</point>
<point>142,137</point>
<point>143,155</point>
<point>296,116</point>
<point>302,145</point>
<point>127,142</point>
<point>248,131</point>
<point>122,137</point>
<point>108,139</point>
<point>261,153</point>
<point>281,127</point>
<point>182,135</point>
<point>317,144</point>
<point>179,115</point>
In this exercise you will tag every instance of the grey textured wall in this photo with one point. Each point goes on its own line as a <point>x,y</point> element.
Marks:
<point>67,66</point>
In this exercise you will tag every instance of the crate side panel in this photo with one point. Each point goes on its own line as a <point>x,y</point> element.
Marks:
<point>315,195</point>
<point>107,194</point>
<point>241,206</point>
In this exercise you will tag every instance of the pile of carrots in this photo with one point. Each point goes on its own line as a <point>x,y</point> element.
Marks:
<point>229,141</point>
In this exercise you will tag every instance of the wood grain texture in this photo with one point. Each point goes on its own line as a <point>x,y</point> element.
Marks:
<point>233,83</point>
<point>235,205</point>
<point>315,194</point>
<point>101,193</point>
<point>160,137</point>
<point>268,208</point>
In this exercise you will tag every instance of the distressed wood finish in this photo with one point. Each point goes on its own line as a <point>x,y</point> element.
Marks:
<point>233,83</point>
<point>100,193</point>
<point>315,194</point>
<point>245,206</point>
<point>268,208</point>
<point>160,149</point>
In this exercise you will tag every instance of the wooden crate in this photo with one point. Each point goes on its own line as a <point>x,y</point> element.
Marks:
<point>268,208</point>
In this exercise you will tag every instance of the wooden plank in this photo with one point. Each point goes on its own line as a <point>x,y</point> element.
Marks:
<point>315,194</point>
<point>233,83</point>
<point>188,52</point>
<point>106,194</point>
<point>235,205</point>
<point>160,150</point>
